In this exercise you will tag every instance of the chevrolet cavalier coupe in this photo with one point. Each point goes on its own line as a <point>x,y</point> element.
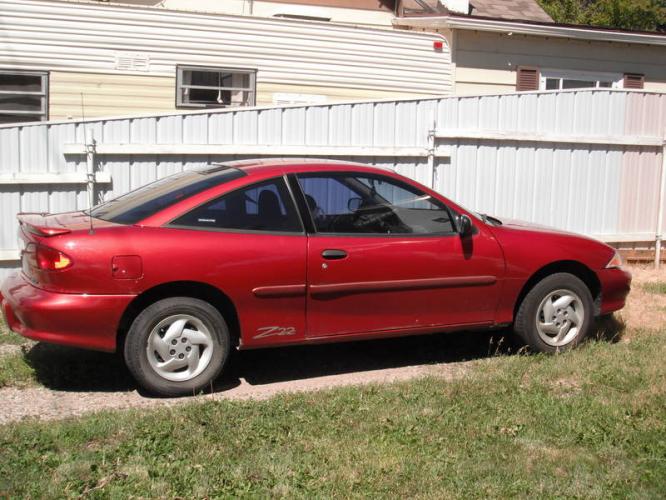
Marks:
<point>249,254</point>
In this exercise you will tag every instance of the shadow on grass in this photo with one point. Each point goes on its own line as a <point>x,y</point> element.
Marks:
<point>609,329</point>
<point>69,369</point>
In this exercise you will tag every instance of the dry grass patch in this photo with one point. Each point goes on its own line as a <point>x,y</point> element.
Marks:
<point>645,308</point>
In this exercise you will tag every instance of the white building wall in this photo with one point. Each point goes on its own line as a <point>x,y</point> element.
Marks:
<point>89,37</point>
<point>120,60</point>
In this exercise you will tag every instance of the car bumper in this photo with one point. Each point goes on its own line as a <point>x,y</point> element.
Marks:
<point>615,286</point>
<point>78,320</point>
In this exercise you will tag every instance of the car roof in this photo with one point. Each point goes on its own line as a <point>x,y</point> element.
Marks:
<point>264,166</point>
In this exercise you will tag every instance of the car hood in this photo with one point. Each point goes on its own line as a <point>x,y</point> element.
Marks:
<point>524,241</point>
<point>530,226</point>
<point>521,225</point>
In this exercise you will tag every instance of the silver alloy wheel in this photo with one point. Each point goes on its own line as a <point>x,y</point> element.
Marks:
<point>560,317</point>
<point>179,347</point>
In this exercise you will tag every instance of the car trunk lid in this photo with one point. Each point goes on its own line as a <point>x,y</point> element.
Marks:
<point>48,230</point>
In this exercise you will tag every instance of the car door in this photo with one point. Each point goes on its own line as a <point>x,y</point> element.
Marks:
<point>385,256</point>
<point>250,244</point>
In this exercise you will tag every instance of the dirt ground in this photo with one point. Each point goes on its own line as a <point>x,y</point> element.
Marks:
<point>644,310</point>
<point>262,374</point>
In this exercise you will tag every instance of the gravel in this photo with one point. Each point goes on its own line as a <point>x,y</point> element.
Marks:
<point>265,373</point>
<point>46,404</point>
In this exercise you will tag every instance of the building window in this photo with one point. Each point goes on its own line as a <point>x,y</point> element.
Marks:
<point>23,96</point>
<point>198,87</point>
<point>562,80</point>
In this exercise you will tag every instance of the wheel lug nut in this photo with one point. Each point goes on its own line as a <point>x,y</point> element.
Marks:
<point>172,352</point>
<point>183,340</point>
<point>174,342</point>
<point>188,348</point>
<point>181,356</point>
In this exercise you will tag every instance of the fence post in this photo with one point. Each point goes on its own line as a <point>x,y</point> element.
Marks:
<point>660,210</point>
<point>432,133</point>
<point>91,150</point>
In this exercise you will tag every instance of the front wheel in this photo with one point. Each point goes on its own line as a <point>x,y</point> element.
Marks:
<point>556,314</point>
<point>177,346</point>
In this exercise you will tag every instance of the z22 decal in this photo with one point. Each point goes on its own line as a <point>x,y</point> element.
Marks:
<point>274,331</point>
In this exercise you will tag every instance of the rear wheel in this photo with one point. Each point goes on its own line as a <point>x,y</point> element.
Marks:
<point>557,314</point>
<point>177,346</point>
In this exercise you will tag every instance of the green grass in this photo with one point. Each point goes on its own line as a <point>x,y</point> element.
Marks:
<point>589,423</point>
<point>63,368</point>
<point>15,371</point>
<point>9,337</point>
<point>658,287</point>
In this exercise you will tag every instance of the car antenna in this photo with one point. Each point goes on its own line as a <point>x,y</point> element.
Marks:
<point>89,150</point>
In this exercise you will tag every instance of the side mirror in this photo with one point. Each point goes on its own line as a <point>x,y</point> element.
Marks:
<point>465,226</point>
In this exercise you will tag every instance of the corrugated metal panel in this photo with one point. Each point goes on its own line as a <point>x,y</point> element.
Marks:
<point>598,190</point>
<point>71,36</point>
<point>594,189</point>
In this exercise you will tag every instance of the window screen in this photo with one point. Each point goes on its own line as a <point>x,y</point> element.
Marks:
<point>214,87</point>
<point>23,96</point>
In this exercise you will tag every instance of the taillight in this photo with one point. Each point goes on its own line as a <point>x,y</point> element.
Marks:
<point>48,259</point>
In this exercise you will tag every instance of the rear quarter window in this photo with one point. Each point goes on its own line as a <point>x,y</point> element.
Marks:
<point>152,198</point>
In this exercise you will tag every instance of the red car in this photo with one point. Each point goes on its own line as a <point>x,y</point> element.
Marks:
<point>272,252</point>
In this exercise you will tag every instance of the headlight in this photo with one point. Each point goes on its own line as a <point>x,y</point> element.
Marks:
<point>615,262</point>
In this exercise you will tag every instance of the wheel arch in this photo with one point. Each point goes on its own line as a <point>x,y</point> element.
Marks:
<point>576,268</point>
<point>194,289</point>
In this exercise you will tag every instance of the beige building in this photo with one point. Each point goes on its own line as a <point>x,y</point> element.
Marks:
<point>507,45</point>
<point>62,60</point>
<point>490,40</point>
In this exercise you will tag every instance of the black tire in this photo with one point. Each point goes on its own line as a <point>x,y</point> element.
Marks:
<point>136,352</point>
<point>525,324</point>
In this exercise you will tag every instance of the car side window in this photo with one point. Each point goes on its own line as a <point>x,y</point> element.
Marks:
<point>350,203</point>
<point>266,206</point>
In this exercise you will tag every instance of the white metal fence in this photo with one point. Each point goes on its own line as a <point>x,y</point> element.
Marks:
<point>590,161</point>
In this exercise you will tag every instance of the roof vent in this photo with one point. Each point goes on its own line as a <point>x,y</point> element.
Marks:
<point>132,61</point>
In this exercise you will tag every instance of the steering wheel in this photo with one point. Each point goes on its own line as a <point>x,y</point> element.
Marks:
<point>379,219</point>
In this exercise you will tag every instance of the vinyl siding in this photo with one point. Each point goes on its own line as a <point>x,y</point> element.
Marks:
<point>484,59</point>
<point>108,95</point>
<point>127,95</point>
<point>657,86</point>
<point>87,38</point>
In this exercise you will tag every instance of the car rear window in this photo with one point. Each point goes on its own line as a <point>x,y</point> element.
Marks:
<point>147,200</point>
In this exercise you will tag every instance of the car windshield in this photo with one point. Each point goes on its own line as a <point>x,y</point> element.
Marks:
<point>147,200</point>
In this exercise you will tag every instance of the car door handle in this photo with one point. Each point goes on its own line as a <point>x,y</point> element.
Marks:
<point>334,254</point>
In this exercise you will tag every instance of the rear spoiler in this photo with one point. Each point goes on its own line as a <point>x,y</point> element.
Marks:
<point>38,224</point>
